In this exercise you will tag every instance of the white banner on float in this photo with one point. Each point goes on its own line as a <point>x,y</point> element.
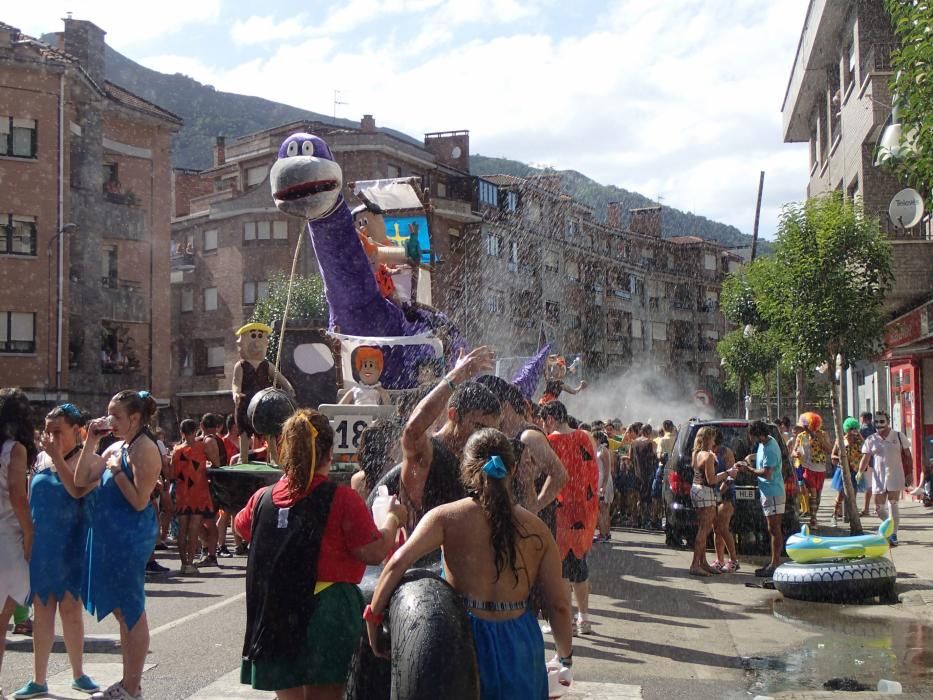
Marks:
<point>350,343</point>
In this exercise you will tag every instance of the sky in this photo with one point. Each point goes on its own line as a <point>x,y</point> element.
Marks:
<point>679,100</point>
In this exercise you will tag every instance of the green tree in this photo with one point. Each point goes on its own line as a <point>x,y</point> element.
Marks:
<point>308,305</point>
<point>823,292</point>
<point>749,357</point>
<point>912,87</point>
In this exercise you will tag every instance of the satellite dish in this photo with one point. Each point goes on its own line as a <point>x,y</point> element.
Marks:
<point>456,152</point>
<point>906,209</point>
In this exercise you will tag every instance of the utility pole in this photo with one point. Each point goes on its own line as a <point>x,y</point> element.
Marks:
<point>761,186</point>
<point>337,102</point>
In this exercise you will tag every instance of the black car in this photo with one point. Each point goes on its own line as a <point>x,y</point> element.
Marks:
<point>748,522</point>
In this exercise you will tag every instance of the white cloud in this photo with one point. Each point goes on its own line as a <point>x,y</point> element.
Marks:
<point>680,98</point>
<point>125,24</point>
<point>261,30</point>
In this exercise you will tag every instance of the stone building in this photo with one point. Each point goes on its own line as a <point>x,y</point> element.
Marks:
<point>229,239</point>
<point>77,149</point>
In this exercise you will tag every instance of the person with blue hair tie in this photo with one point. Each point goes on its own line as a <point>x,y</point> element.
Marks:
<point>494,553</point>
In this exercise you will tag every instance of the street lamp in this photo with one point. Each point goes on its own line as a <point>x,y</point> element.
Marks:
<point>67,228</point>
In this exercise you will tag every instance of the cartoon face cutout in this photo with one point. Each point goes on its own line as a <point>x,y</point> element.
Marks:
<point>253,345</point>
<point>371,225</point>
<point>367,365</point>
<point>305,180</point>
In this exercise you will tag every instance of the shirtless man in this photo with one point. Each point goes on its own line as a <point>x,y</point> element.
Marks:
<point>430,472</point>
<point>540,475</point>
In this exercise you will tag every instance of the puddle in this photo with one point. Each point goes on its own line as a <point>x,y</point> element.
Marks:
<point>835,645</point>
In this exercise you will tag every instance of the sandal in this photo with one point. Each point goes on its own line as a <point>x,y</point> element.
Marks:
<point>718,565</point>
<point>735,564</point>
<point>728,567</point>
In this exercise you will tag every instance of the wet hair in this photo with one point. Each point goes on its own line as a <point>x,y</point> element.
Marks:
<point>493,495</point>
<point>376,441</point>
<point>70,413</point>
<point>555,410</point>
<point>647,430</point>
<point>572,422</point>
<point>474,397</point>
<point>718,438</point>
<point>188,426</point>
<point>506,393</point>
<point>866,415</point>
<point>668,426</point>
<point>140,402</point>
<point>601,437</point>
<point>301,452</point>
<point>759,429</point>
<point>704,440</point>
<point>230,422</point>
<point>363,353</point>
<point>210,421</point>
<point>585,426</point>
<point>16,422</point>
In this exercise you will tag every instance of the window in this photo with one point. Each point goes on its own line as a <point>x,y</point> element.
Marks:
<point>186,364</point>
<point>709,261</point>
<point>17,235</point>
<point>187,299</point>
<point>658,331</point>
<point>393,171</point>
<point>262,290</point>
<point>551,261</point>
<point>108,261</point>
<point>441,190</point>
<point>571,228</point>
<point>552,312</point>
<point>215,356</point>
<point>263,230</point>
<point>575,322</point>
<point>254,291</point>
<point>255,176</point>
<point>280,230</point>
<point>210,240</point>
<point>210,298</point>
<point>488,194</point>
<point>495,302</point>
<point>511,201</point>
<point>17,332</point>
<point>492,245</point>
<point>636,328</point>
<point>572,268</point>
<point>17,137</point>
<point>850,69</point>
<point>249,231</point>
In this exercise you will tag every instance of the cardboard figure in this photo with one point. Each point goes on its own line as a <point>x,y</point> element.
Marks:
<point>555,372</point>
<point>384,257</point>
<point>251,374</point>
<point>367,361</point>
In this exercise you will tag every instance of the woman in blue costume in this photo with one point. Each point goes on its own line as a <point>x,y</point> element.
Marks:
<point>123,528</point>
<point>56,568</point>
<point>494,552</point>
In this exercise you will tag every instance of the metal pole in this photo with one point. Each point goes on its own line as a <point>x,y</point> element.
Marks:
<point>778,396</point>
<point>61,239</point>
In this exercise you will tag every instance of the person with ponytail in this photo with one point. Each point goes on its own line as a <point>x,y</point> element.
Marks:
<point>123,527</point>
<point>310,541</point>
<point>56,569</point>
<point>17,455</point>
<point>494,553</point>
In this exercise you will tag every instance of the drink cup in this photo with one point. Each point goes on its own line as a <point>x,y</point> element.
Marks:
<point>381,505</point>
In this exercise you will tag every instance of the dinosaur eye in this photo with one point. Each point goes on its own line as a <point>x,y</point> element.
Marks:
<point>292,149</point>
<point>307,148</point>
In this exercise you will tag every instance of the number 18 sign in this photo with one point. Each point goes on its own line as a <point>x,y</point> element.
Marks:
<point>350,421</point>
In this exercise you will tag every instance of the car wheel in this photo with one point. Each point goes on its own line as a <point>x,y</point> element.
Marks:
<point>838,582</point>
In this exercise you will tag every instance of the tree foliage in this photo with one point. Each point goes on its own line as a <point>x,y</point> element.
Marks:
<point>748,356</point>
<point>737,300</point>
<point>912,87</point>
<point>308,304</point>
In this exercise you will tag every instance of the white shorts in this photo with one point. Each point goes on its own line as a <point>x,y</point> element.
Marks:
<point>886,479</point>
<point>704,496</point>
<point>773,505</point>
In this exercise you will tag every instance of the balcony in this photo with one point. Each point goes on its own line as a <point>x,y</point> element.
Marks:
<point>122,222</point>
<point>183,262</point>
<point>923,231</point>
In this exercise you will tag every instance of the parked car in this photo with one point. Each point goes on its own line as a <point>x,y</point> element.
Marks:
<point>748,522</point>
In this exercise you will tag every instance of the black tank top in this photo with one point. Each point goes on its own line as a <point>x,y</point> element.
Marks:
<point>443,484</point>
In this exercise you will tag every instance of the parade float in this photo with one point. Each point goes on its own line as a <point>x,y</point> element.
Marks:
<point>838,569</point>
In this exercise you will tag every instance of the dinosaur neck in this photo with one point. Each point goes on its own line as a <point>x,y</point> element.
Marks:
<point>356,305</point>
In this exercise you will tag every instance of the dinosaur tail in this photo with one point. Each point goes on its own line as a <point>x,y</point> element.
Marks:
<point>526,379</point>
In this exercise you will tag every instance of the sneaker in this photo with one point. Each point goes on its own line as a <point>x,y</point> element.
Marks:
<point>241,550</point>
<point>154,567</point>
<point>85,684</point>
<point>892,540</point>
<point>116,692</point>
<point>207,561</point>
<point>584,627</point>
<point>31,690</point>
<point>718,565</point>
<point>161,546</point>
<point>727,567</point>
<point>24,627</point>
<point>224,553</point>
<point>835,521</point>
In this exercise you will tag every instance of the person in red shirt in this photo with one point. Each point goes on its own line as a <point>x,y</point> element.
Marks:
<point>192,491</point>
<point>578,505</point>
<point>307,534</point>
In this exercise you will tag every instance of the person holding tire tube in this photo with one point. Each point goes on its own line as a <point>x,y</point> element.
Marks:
<point>767,468</point>
<point>494,553</point>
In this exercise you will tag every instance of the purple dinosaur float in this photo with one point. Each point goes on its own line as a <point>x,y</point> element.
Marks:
<point>307,183</point>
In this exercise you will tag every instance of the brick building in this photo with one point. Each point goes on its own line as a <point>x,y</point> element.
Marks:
<point>230,239</point>
<point>838,100</point>
<point>77,149</point>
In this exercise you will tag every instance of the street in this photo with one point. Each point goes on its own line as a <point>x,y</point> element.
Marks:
<point>658,633</point>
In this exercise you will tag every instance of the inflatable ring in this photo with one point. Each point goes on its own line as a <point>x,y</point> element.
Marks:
<point>838,581</point>
<point>805,548</point>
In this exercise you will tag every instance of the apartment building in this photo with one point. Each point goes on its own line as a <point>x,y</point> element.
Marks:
<point>85,167</point>
<point>228,238</point>
<point>838,100</point>
<point>622,299</point>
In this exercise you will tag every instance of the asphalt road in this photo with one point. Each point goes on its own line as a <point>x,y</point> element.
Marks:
<point>658,633</point>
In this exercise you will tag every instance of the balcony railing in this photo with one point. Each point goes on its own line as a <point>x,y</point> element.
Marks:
<point>878,59</point>
<point>923,231</point>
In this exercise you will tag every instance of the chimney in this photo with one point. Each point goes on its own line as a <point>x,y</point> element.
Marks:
<point>614,215</point>
<point>646,221</point>
<point>85,41</point>
<point>220,151</point>
<point>368,124</point>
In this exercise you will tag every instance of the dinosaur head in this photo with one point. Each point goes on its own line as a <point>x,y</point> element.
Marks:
<point>306,181</point>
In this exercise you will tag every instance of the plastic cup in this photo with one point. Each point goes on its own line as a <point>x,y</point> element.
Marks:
<point>381,505</point>
<point>887,687</point>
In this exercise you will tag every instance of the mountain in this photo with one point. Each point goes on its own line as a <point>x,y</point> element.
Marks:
<point>596,196</point>
<point>208,112</point>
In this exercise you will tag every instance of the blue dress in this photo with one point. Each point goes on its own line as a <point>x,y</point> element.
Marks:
<point>119,545</point>
<point>510,656</point>
<point>729,494</point>
<point>60,524</point>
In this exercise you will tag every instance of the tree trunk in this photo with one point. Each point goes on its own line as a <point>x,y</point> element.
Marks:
<point>799,395</point>
<point>855,523</point>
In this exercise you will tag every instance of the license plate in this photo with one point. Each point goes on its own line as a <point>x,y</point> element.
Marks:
<point>745,494</point>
